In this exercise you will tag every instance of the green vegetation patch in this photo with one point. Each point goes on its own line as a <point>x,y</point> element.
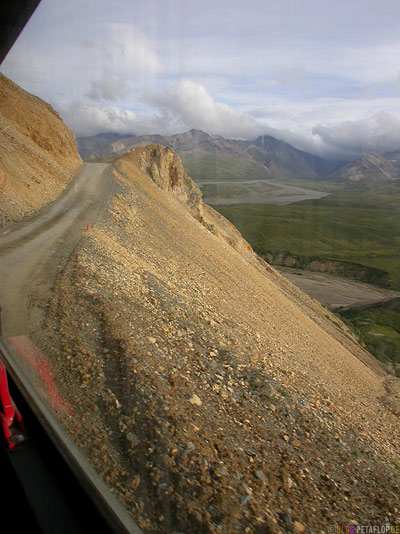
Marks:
<point>385,331</point>
<point>358,225</point>
<point>378,328</point>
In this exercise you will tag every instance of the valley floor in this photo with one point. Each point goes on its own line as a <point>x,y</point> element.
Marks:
<point>256,192</point>
<point>335,292</point>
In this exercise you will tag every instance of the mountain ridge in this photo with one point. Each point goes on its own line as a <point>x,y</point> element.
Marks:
<point>213,157</point>
<point>265,157</point>
<point>369,167</point>
<point>297,161</point>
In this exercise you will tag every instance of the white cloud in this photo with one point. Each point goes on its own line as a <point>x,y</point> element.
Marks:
<point>191,104</point>
<point>108,66</point>
<point>377,133</point>
<point>181,107</point>
<point>88,119</point>
<point>128,52</point>
<point>109,88</point>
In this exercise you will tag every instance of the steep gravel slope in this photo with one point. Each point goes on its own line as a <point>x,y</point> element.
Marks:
<point>38,153</point>
<point>212,395</point>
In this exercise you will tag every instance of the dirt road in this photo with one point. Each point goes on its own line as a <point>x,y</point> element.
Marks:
<point>33,251</point>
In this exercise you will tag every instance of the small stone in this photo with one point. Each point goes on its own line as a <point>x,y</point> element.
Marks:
<point>195,400</point>
<point>162,488</point>
<point>190,446</point>
<point>245,499</point>
<point>247,489</point>
<point>286,438</point>
<point>298,527</point>
<point>285,518</point>
<point>289,482</point>
<point>152,340</point>
<point>132,438</point>
<point>135,482</point>
<point>260,475</point>
<point>266,390</point>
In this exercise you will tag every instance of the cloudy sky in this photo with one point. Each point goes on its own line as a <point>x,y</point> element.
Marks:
<point>324,76</point>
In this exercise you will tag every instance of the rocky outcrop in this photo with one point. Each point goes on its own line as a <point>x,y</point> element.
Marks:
<point>165,169</point>
<point>38,153</point>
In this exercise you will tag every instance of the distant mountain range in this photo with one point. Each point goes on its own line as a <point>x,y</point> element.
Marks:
<point>370,167</point>
<point>208,157</point>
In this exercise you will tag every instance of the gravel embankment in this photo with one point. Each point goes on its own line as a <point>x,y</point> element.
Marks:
<point>209,394</point>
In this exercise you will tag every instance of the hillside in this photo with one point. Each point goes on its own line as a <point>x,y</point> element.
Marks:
<point>213,158</point>
<point>369,167</point>
<point>281,158</point>
<point>38,153</point>
<point>394,158</point>
<point>210,394</point>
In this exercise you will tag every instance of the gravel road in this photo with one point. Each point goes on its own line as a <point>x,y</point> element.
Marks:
<point>33,250</point>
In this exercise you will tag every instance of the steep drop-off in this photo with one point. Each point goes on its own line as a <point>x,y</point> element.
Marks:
<point>210,394</point>
<point>38,153</point>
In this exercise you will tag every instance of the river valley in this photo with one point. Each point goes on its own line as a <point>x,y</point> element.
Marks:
<point>255,192</point>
